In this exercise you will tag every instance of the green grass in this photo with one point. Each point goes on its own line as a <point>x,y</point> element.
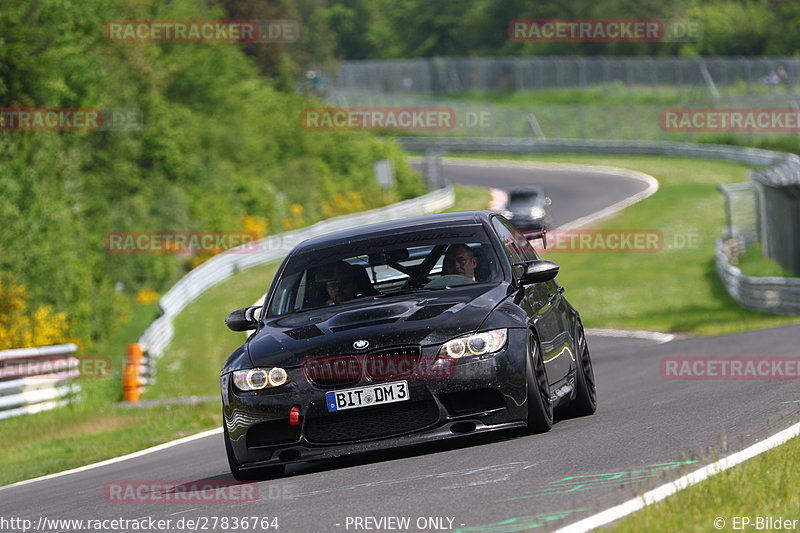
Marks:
<point>672,290</point>
<point>202,342</point>
<point>616,93</point>
<point>763,486</point>
<point>96,427</point>
<point>754,263</point>
<point>99,428</point>
<point>86,432</point>
<point>611,111</point>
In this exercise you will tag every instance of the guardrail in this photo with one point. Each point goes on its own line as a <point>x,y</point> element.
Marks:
<point>37,379</point>
<point>517,145</point>
<point>767,294</point>
<point>221,267</point>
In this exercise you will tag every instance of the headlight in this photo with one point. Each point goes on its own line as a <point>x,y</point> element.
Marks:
<point>259,378</point>
<point>475,344</point>
<point>537,212</point>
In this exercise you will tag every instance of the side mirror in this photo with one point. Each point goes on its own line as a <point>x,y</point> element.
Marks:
<point>536,271</point>
<point>243,319</point>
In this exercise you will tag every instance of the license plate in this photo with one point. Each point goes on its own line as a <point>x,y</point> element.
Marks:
<point>340,400</point>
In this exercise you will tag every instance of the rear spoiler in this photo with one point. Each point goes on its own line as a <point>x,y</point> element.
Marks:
<point>537,234</point>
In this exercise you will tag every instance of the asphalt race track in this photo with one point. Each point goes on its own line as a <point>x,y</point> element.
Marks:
<point>647,429</point>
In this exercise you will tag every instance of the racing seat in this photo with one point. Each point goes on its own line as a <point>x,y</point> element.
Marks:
<point>363,284</point>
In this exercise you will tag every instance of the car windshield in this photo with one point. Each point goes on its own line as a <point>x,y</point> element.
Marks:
<point>379,267</point>
<point>523,198</point>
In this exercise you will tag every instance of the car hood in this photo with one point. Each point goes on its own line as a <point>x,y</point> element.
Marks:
<point>425,318</point>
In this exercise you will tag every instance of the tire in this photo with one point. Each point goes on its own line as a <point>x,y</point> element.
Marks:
<point>540,408</point>
<point>251,474</point>
<point>585,401</point>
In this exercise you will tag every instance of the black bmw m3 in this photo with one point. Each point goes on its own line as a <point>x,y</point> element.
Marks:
<point>400,333</point>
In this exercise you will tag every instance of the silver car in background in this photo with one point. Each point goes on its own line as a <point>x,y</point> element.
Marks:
<point>527,208</point>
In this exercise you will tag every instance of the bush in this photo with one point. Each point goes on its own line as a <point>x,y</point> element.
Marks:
<point>219,146</point>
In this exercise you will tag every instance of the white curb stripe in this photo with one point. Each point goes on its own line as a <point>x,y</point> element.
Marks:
<point>499,199</point>
<point>660,493</point>
<point>133,455</point>
<point>656,336</point>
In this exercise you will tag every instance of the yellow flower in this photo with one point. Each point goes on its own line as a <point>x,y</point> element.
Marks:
<point>18,329</point>
<point>146,296</point>
<point>257,225</point>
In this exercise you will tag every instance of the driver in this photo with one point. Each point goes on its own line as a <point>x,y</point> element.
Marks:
<point>460,259</point>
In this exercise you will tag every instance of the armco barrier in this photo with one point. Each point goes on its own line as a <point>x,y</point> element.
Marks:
<point>516,145</point>
<point>47,378</point>
<point>221,267</point>
<point>765,294</point>
<point>772,295</point>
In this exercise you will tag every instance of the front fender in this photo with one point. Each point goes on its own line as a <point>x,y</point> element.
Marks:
<point>239,359</point>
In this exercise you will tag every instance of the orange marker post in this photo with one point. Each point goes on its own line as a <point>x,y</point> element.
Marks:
<point>130,376</point>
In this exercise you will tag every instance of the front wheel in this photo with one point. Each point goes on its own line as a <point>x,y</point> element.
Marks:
<point>252,474</point>
<point>585,401</point>
<point>540,408</point>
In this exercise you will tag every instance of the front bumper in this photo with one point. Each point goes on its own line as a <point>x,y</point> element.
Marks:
<point>480,394</point>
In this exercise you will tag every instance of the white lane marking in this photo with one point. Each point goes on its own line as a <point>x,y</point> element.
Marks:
<point>656,336</point>
<point>133,455</point>
<point>656,495</point>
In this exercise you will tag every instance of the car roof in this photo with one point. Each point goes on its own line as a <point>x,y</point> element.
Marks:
<point>526,189</point>
<point>441,220</point>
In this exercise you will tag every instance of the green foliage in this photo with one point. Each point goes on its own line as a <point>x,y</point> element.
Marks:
<point>219,142</point>
<point>382,29</point>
